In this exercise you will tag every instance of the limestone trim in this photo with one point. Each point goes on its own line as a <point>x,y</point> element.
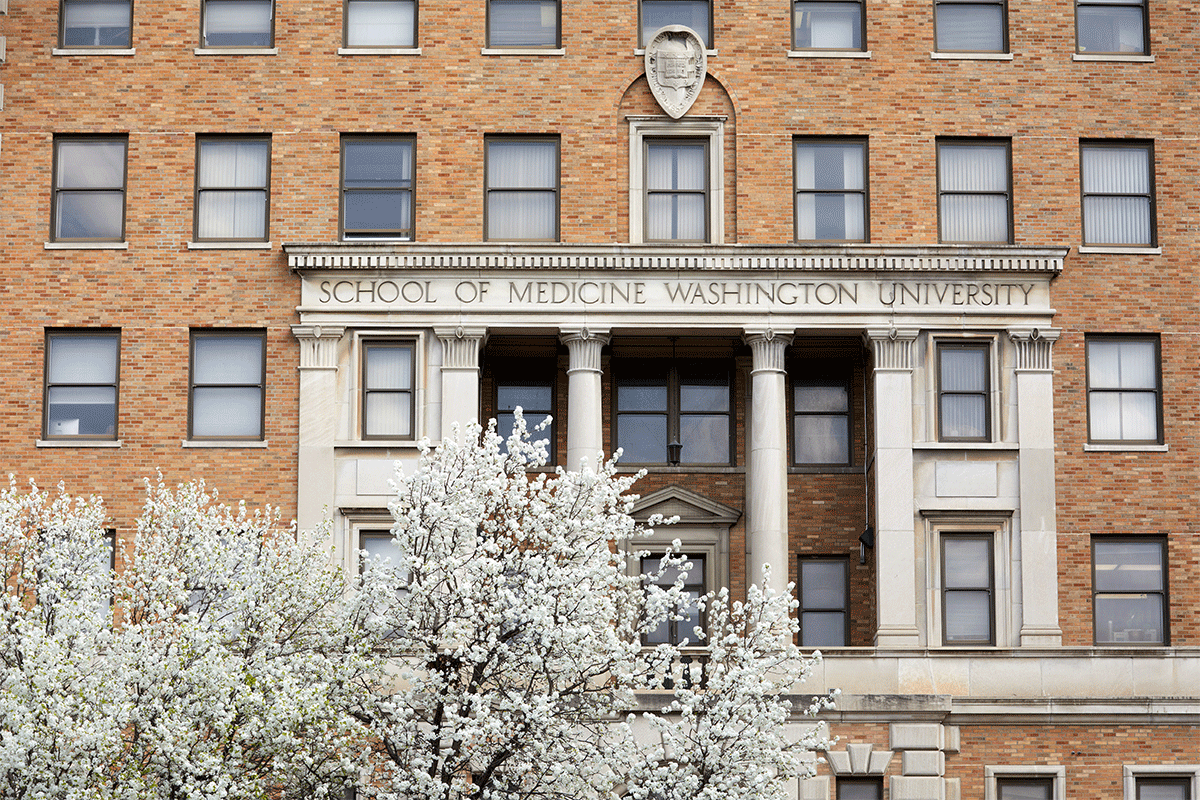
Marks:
<point>584,346</point>
<point>891,348</point>
<point>318,345</point>
<point>1131,772</point>
<point>657,258</point>
<point>858,759</point>
<point>461,346</point>
<point>1033,348</point>
<point>992,774</point>
<point>713,130</point>
<point>767,350</point>
<point>1005,572</point>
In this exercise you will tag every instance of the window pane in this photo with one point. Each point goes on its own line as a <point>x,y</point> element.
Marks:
<point>677,166</point>
<point>970,27</point>
<point>712,395</point>
<point>232,215</point>
<point>848,789</point>
<point>672,217</point>
<point>1025,790</point>
<point>660,13</point>
<point>81,410</point>
<point>89,215</point>
<point>964,417</point>
<point>381,23</point>
<point>522,164</point>
<point>821,398</point>
<point>91,165</point>
<point>377,214</point>
<point>642,395</point>
<point>224,411</point>
<point>823,629</point>
<point>823,584</point>
<point>1116,170</point>
<point>1117,220</point>
<point>830,217</point>
<point>388,414</point>
<point>522,215</point>
<point>233,164</point>
<point>83,359</point>
<point>237,23</point>
<point>705,439</point>
<point>378,547</point>
<point>643,438</point>
<point>822,439</point>
<point>963,369</point>
<point>389,367</point>
<point>1129,618</point>
<point>967,563</point>
<point>523,23</point>
<point>96,23</point>
<point>1112,29</point>
<point>836,26</point>
<point>975,218</point>
<point>527,397</point>
<point>968,617</point>
<point>1165,789</point>
<point>1131,364</point>
<point>227,360</point>
<point>377,164</point>
<point>973,168</point>
<point>1129,566</point>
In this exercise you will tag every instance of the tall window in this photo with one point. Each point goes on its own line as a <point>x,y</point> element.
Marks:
<point>238,23</point>
<point>963,392</point>
<point>1117,180</point>
<point>523,23</point>
<point>974,191</point>
<point>1129,590</point>
<point>233,176</point>
<point>533,392</point>
<point>1025,789</point>
<point>522,189</point>
<point>674,631</point>
<point>827,25</point>
<point>89,189</point>
<point>971,26</point>
<point>227,386</point>
<point>82,368</point>
<point>967,589</point>
<point>1112,26</point>
<point>831,190</point>
<point>377,187</point>
<point>676,190</point>
<point>96,23</point>
<point>381,23</point>
<point>676,402</point>
<point>1124,400</point>
<point>824,593</point>
<point>820,414</point>
<point>694,14</point>
<point>389,375</point>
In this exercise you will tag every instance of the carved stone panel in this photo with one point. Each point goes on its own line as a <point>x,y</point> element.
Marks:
<point>676,64</point>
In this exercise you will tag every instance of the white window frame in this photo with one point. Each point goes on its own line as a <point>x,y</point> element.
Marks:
<point>1005,577</point>
<point>933,386</point>
<point>356,524</point>
<point>642,128</point>
<point>358,373</point>
<point>993,774</point>
<point>1130,773</point>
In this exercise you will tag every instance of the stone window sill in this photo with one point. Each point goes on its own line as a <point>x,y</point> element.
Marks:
<point>379,51</point>
<point>971,56</point>
<point>1013,446</point>
<point>247,444</point>
<point>228,245</point>
<point>87,245</point>
<point>641,51</point>
<point>236,51</point>
<point>1127,58</point>
<point>1117,447</point>
<point>378,444</point>
<point>93,51</point>
<point>829,53</point>
<point>523,51</point>
<point>1133,251</point>
<point>78,442</point>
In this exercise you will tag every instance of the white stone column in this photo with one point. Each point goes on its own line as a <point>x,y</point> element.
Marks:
<point>895,549</point>
<point>319,346</point>
<point>460,374</point>
<point>767,459</point>
<point>1039,527</point>
<point>585,422</point>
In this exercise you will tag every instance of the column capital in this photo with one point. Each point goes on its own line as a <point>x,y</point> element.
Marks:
<point>891,348</point>
<point>318,345</point>
<point>1034,346</point>
<point>766,348</point>
<point>460,346</point>
<point>584,346</point>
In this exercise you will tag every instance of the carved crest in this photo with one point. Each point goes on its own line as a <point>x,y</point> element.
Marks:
<point>676,64</point>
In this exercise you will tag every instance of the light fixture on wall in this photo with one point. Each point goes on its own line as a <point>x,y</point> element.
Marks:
<point>675,447</point>
<point>866,541</point>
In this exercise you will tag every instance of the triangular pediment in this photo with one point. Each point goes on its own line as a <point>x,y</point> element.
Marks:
<point>690,507</point>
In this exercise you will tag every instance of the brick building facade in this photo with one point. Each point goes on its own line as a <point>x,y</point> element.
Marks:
<point>910,282</point>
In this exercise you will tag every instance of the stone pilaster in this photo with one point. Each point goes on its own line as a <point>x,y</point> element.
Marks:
<point>767,459</point>
<point>585,428</point>
<point>318,415</point>
<point>460,374</point>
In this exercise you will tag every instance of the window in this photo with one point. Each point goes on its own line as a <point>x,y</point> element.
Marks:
<point>522,189</point>
<point>823,590</point>
<point>859,789</point>
<point>377,187</point>
<point>834,25</point>
<point>238,23</point>
<point>1124,402</point>
<point>694,14</point>
<point>1129,590</point>
<point>387,398</point>
<point>534,393</point>
<point>676,190</point>
<point>1117,180</point>
<point>967,589</point>
<point>89,189</point>
<point>974,191</point>
<point>1164,788</point>
<point>674,631</point>
<point>820,414</point>
<point>963,392</point>
<point>81,384</point>
<point>381,23</point>
<point>1112,26</point>
<point>831,190</point>
<point>1030,782</point>
<point>1024,789</point>
<point>970,26</point>
<point>232,179</point>
<point>96,23</point>
<point>684,402</point>
<point>228,380</point>
<point>377,546</point>
<point>523,23</point>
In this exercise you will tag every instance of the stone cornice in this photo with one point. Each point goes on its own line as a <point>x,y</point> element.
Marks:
<point>656,258</point>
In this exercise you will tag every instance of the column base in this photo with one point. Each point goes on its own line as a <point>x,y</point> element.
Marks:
<point>898,636</point>
<point>1041,637</point>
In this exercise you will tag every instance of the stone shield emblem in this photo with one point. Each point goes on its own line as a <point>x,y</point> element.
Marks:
<point>676,64</point>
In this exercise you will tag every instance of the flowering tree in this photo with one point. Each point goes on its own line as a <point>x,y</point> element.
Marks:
<point>518,618</point>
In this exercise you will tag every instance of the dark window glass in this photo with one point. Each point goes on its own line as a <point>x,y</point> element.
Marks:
<point>535,397</point>
<point>820,416</point>
<point>238,23</point>
<point>89,189</point>
<point>1025,789</point>
<point>831,191</point>
<point>974,190</point>
<point>971,26</point>
<point>377,188</point>
<point>676,190</point>
<point>97,23</point>
<point>381,23</point>
<point>388,377</point>
<point>232,184</point>
<point>824,602</point>
<point>1124,402</point>
<point>522,189</point>
<point>962,392</point>
<point>835,25</point>
<point>1130,590</point>
<point>1112,26</point>
<point>1117,180</point>
<point>81,384</point>
<point>674,631</point>
<point>523,23</point>
<point>967,589</point>
<point>228,377</point>
<point>694,14</point>
<point>688,402</point>
<point>859,789</point>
